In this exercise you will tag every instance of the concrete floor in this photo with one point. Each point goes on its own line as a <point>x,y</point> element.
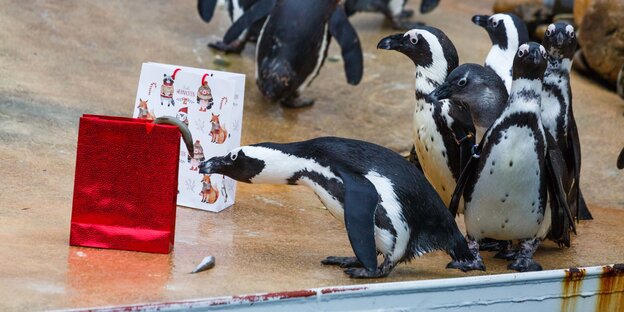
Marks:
<point>60,59</point>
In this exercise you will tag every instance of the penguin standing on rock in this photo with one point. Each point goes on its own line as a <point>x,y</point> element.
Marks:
<point>443,133</point>
<point>293,44</point>
<point>507,32</point>
<point>385,202</point>
<point>557,114</point>
<point>506,184</point>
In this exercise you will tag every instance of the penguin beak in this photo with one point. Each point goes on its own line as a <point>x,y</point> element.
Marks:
<point>560,39</point>
<point>535,56</point>
<point>394,42</point>
<point>440,93</point>
<point>481,20</point>
<point>213,165</point>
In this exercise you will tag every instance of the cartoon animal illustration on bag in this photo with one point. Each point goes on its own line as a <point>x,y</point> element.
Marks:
<point>217,132</point>
<point>182,115</point>
<point>144,112</point>
<point>198,157</point>
<point>204,95</point>
<point>166,90</point>
<point>209,192</point>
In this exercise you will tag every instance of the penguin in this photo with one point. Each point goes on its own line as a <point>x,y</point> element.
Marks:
<point>443,133</point>
<point>479,85</point>
<point>394,10</point>
<point>507,32</point>
<point>515,167</point>
<point>620,160</point>
<point>235,8</point>
<point>385,203</point>
<point>293,43</point>
<point>557,113</point>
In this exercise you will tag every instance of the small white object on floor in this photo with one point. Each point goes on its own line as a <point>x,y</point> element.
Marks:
<point>206,264</point>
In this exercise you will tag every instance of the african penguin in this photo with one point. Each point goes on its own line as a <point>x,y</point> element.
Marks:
<point>479,85</point>
<point>235,8</point>
<point>394,10</point>
<point>506,184</point>
<point>507,32</point>
<point>293,44</point>
<point>385,202</point>
<point>443,133</point>
<point>557,114</point>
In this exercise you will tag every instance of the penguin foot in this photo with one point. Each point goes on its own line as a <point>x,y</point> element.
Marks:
<point>235,47</point>
<point>506,254</point>
<point>406,13</point>
<point>489,244</point>
<point>365,273</point>
<point>524,264</point>
<point>343,262</point>
<point>297,102</point>
<point>466,266</point>
<point>401,24</point>
<point>427,6</point>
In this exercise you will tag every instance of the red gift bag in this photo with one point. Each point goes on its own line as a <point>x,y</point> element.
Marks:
<point>126,184</point>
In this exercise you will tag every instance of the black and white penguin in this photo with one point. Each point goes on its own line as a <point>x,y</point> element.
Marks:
<point>478,85</point>
<point>443,133</point>
<point>235,8</point>
<point>517,164</point>
<point>385,202</point>
<point>507,32</point>
<point>293,44</point>
<point>394,10</point>
<point>557,114</point>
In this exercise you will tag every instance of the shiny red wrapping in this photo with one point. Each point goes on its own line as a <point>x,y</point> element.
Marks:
<point>126,184</point>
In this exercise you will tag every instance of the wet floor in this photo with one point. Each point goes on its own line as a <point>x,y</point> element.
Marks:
<point>59,60</point>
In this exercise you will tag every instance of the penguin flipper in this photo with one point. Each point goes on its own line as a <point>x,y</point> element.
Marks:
<point>257,11</point>
<point>562,218</point>
<point>347,38</point>
<point>206,9</point>
<point>464,131</point>
<point>360,203</point>
<point>582,212</point>
<point>620,160</point>
<point>464,177</point>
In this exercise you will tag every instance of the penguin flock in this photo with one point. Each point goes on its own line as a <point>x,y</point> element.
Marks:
<point>496,142</point>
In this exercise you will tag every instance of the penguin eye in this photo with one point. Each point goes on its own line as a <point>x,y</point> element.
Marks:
<point>550,30</point>
<point>520,53</point>
<point>414,40</point>
<point>571,34</point>
<point>461,82</point>
<point>233,156</point>
<point>494,23</point>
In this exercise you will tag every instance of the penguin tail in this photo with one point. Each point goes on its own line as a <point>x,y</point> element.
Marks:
<point>458,249</point>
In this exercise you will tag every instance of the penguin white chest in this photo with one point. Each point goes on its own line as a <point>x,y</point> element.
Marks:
<point>505,202</point>
<point>332,204</point>
<point>551,106</point>
<point>432,153</point>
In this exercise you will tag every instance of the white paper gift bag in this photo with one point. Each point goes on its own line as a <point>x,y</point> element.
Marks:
<point>211,104</point>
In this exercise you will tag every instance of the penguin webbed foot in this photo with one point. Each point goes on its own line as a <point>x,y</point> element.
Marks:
<point>402,23</point>
<point>466,266</point>
<point>366,273</point>
<point>236,46</point>
<point>406,13</point>
<point>296,102</point>
<point>524,264</point>
<point>343,262</point>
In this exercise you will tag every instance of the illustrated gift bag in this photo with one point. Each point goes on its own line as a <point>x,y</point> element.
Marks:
<point>125,185</point>
<point>211,104</point>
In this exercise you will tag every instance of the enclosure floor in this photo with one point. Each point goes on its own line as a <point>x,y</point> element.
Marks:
<point>61,59</point>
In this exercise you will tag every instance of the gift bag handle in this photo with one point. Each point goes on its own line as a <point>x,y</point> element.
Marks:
<point>186,133</point>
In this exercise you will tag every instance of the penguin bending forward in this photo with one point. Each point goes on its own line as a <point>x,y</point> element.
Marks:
<point>507,32</point>
<point>506,183</point>
<point>557,114</point>
<point>385,202</point>
<point>443,133</point>
<point>293,44</point>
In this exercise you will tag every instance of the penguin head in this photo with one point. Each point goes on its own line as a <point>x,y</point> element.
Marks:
<point>423,45</point>
<point>276,79</point>
<point>476,88</point>
<point>505,30</point>
<point>236,165</point>
<point>560,41</point>
<point>530,61</point>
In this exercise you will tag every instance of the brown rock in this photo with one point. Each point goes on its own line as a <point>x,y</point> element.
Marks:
<point>601,37</point>
<point>504,6</point>
<point>580,7</point>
